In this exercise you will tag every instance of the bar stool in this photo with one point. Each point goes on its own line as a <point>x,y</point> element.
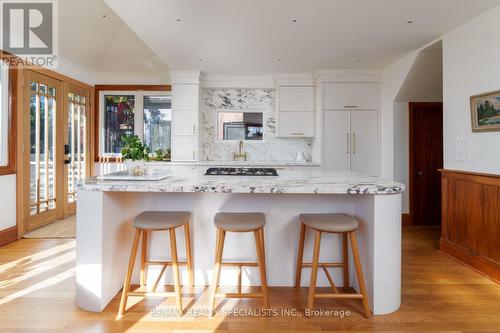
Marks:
<point>157,221</point>
<point>239,222</point>
<point>331,223</point>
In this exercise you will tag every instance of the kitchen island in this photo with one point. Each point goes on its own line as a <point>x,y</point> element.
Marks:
<point>106,209</point>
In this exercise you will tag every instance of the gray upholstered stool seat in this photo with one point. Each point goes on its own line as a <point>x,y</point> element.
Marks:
<point>240,222</point>
<point>338,223</point>
<point>151,220</point>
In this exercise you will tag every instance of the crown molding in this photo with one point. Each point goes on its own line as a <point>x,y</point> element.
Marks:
<point>237,81</point>
<point>185,77</point>
<point>294,79</point>
<point>348,75</point>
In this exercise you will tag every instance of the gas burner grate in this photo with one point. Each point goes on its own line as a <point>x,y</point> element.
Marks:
<point>241,172</point>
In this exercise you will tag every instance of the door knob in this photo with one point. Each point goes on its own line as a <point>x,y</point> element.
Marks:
<point>420,173</point>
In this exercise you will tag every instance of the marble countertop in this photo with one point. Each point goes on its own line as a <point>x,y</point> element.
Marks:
<point>252,164</point>
<point>192,179</point>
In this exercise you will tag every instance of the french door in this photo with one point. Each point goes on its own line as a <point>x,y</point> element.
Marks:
<point>76,143</point>
<point>55,147</point>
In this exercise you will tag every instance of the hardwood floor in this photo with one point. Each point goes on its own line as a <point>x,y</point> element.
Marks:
<point>37,295</point>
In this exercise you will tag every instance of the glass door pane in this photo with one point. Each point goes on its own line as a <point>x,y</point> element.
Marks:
<point>42,148</point>
<point>76,147</point>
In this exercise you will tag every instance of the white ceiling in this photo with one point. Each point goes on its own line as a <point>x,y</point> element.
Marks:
<point>249,36</point>
<point>101,44</point>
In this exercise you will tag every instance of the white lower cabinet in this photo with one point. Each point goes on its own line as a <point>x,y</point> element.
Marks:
<point>364,142</point>
<point>350,141</point>
<point>296,124</point>
<point>336,140</point>
<point>184,148</point>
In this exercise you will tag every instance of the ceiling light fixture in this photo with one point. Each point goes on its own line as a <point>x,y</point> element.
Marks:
<point>410,22</point>
<point>278,60</point>
<point>295,20</point>
<point>104,16</point>
<point>200,59</point>
<point>178,19</point>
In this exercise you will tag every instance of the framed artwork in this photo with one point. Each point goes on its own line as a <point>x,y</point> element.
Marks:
<point>485,112</point>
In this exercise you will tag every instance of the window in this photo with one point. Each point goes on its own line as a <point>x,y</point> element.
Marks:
<point>157,122</point>
<point>4,114</point>
<point>239,125</point>
<point>146,114</point>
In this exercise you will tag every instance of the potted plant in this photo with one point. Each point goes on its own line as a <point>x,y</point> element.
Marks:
<point>134,153</point>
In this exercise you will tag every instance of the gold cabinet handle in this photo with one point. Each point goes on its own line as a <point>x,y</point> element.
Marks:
<point>354,143</point>
<point>348,142</point>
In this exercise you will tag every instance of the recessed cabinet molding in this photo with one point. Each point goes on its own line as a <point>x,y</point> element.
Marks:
<point>350,141</point>
<point>351,95</point>
<point>296,99</point>
<point>186,96</point>
<point>296,116</point>
<point>184,148</point>
<point>185,122</point>
<point>296,124</point>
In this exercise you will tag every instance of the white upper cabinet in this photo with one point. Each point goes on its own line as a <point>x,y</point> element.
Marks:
<point>296,99</point>
<point>351,95</point>
<point>296,116</point>
<point>185,122</point>
<point>185,97</point>
<point>296,124</point>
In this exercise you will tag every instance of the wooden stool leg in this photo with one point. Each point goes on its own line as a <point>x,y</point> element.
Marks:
<point>259,237</point>
<point>359,273</point>
<point>187,234</point>
<point>175,269</point>
<point>345,256</point>
<point>314,270</point>
<point>144,251</point>
<point>128,276</point>
<point>218,259</point>
<point>300,255</point>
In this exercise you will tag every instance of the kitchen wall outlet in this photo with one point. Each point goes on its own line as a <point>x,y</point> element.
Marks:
<point>462,150</point>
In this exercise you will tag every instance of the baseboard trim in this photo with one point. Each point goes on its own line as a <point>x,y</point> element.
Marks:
<point>406,219</point>
<point>8,235</point>
<point>477,262</point>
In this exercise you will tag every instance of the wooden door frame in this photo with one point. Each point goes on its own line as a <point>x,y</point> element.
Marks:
<point>408,219</point>
<point>58,211</point>
<point>22,176</point>
<point>70,209</point>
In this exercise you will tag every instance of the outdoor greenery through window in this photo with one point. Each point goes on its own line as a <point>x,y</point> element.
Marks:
<point>119,120</point>
<point>147,115</point>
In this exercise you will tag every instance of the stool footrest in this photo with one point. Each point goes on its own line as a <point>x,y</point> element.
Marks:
<point>239,295</point>
<point>324,264</point>
<point>151,294</point>
<point>341,296</point>
<point>164,263</point>
<point>248,264</point>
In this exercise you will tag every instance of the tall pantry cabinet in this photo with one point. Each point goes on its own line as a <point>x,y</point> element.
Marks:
<point>350,127</point>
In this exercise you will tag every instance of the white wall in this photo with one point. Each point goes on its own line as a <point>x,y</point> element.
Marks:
<point>8,201</point>
<point>424,83</point>
<point>471,56</point>
<point>393,78</point>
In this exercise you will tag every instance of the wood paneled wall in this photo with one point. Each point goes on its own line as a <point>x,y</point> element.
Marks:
<point>471,220</point>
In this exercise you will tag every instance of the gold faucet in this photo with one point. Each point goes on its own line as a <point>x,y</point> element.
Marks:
<point>240,154</point>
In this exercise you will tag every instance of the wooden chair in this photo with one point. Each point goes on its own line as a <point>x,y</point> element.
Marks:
<point>239,222</point>
<point>331,223</point>
<point>156,221</point>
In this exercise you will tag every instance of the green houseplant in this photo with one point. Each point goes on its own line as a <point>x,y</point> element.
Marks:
<point>134,153</point>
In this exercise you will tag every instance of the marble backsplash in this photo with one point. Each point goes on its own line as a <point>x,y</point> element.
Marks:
<point>239,99</point>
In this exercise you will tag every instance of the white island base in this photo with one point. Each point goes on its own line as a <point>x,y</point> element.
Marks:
<point>104,239</point>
